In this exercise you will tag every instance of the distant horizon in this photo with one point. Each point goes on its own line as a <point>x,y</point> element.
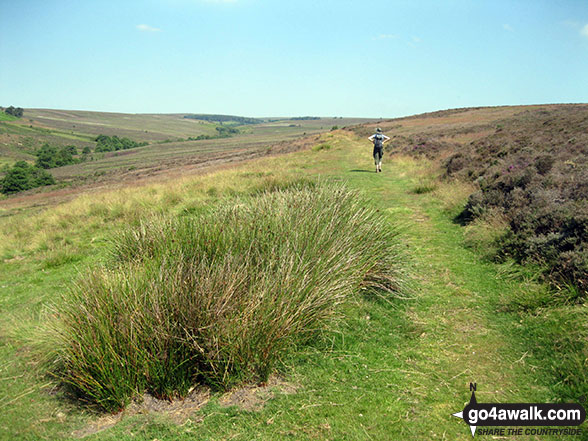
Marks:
<point>297,115</point>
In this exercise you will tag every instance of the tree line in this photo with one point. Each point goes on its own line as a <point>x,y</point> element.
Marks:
<point>224,118</point>
<point>50,156</point>
<point>23,176</point>
<point>222,132</point>
<point>105,143</point>
<point>14,111</point>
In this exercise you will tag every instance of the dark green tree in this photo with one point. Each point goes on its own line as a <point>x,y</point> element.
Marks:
<point>49,156</point>
<point>101,139</point>
<point>46,156</point>
<point>17,179</point>
<point>63,157</point>
<point>225,132</point>
<point>23,176</point>
<point>41,177</point>
<point>71,149</point>
<point>14,111</point>
<point>106,143</point>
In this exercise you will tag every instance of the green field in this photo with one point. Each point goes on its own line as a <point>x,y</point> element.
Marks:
<point>391,369</point>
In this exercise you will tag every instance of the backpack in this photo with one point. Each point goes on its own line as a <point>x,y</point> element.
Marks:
<point>378,140</point>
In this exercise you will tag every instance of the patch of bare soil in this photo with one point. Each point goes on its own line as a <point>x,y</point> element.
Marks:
<point>177,411</point>
<point>250,398</point>
<point>253,397</point>
<point>102,423</point>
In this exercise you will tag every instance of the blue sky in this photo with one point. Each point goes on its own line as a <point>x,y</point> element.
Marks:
<point>284,58</point>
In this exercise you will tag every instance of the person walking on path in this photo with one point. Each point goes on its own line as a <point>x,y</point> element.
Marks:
<point>378,139</point>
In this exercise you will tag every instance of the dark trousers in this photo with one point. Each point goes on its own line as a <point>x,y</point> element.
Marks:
<point>378,153</point>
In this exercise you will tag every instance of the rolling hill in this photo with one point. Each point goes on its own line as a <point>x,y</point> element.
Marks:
<point>174,144</point>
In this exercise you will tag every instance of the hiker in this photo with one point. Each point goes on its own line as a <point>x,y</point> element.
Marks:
<point>378,139</point>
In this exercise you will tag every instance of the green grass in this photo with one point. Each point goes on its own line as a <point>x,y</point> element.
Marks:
<point>7,117</point>
<point>390,370</point>
<point>31,130</point>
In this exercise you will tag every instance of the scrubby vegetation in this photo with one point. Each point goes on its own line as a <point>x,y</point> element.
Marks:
<point>225,132</point>
<point>532,171</point>
<point>219,297</point>
<point>23,176</point>
<point>106,143</point>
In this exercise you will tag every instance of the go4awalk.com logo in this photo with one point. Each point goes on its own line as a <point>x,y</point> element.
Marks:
<point>504,419</point>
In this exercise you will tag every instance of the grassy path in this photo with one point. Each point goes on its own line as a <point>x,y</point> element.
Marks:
<point>393,372</point>
<point>461,335</point>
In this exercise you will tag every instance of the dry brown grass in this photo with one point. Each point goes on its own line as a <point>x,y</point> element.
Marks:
<point>454,195</point>
<point>484,233</point>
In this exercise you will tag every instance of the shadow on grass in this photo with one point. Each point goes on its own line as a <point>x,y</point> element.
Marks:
<point>462,218</point>
<point>362,171</point>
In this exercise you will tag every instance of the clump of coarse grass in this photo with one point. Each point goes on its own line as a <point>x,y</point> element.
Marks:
<point>323,146</point>
<point>484,233</point>
<point>217,298</point>
<point>453,195</point>
<point>424,186</point>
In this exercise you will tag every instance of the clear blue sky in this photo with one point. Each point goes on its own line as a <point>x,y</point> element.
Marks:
<point>297,57</point>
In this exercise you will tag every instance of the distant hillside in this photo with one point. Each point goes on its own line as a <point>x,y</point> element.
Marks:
<point>119,148</point>
<point>224,118</point>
